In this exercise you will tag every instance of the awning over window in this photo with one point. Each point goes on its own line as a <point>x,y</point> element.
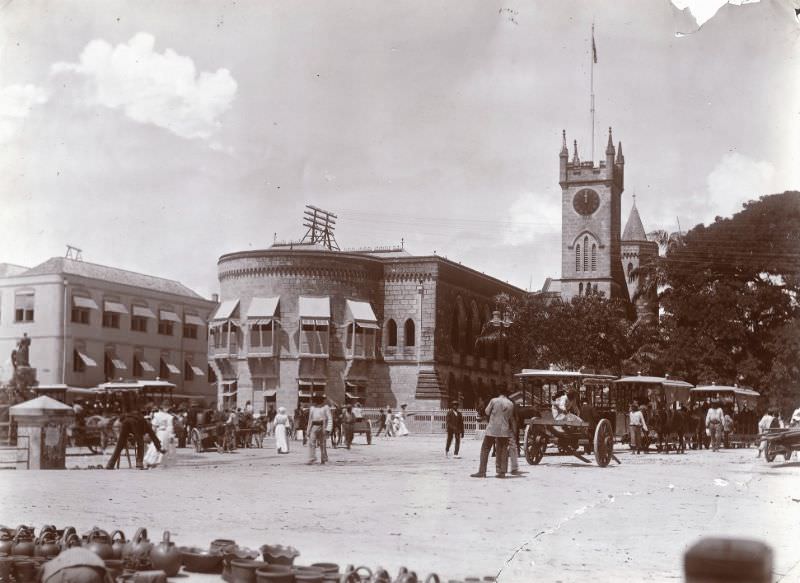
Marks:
<point>319,385</point>
<point>226,309</point>
<point>115,307</point>
<point>228,382</point>
<point>143,312</point>
<point>170,316</point>
<point>84,302</point>
<point>352,385</point>
<point>86,360</point>
<point>361,313</point>
<point>194,320</point>
<point>229,394</point>
<point>172,368</point>
<point>315,311</point>
<point>270,394</point>
<point>262,310</point>
<point>119,364</point>
<point>198,371</point>
<point>146,366</point>
<point>350,396</point>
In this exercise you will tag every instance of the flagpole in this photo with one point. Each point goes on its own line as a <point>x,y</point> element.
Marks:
<point>591,85</point>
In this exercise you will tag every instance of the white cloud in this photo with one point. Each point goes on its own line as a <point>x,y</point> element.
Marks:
<point>530,217</point>
<point>16,102</point>
<point>735,180</point>
<point>163,89</point>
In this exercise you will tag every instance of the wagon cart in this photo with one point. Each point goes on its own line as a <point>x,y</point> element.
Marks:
<point>783,442</point>
<point>204,435</point>
<point>539,388</point>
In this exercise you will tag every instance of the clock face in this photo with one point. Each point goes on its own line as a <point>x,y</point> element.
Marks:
<point>586,201</point>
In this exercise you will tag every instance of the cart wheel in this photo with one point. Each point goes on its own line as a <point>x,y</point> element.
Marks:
<point>535,444</point>
<point>603,443</point>
<point>769,453</point>
<point>197,443</point>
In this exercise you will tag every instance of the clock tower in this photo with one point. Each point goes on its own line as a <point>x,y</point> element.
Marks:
<point>591,224</point>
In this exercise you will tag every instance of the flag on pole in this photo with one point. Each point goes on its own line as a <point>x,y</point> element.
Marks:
<point>594,48</point>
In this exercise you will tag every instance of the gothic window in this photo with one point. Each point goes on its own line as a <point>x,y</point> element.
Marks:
<point>578,257</point>
<point>391,333</point>
<point>580,289</point>
<point>410,333</point>
<point>594,257</point>
<point>585,254</point>
<point>630,272</point>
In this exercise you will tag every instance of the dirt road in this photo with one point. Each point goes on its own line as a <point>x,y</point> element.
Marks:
<point>401,502</point>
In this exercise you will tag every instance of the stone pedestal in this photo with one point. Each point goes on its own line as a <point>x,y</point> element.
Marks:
<point>43,422</point>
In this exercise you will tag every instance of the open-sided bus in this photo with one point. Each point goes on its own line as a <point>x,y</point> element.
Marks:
<point>654,392</point>
<point>734,396</point>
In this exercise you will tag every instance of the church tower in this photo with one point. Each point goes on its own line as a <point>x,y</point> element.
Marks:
<point>591,224</point>
<point>637,251</point>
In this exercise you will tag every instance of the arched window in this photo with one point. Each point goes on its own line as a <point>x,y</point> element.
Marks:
<point>454,331</point>
<point>580,289</point>
<point>391,333</point>
<point>578,257</point>
<point>594,257</point>
<point>630,272</point>
<point>586,253</point>
<point>410,333</point>
<point>469,341</point>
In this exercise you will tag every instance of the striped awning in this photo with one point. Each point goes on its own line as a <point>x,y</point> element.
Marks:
<point>119,364</point>
<point>171,367</point>
<point>115,307</point>
<point>146,366</point>
<point>84,302</point>
<point>197,370</point>
<point>143,312</point>
<point>170,316</point>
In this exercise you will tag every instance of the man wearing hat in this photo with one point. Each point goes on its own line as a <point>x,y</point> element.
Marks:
<point>134,425</point>
<point>455,429</point>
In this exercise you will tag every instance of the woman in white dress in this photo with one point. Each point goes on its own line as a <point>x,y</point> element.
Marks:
<point>281,426</point>
<point>400,419</point>
<point>163,426</point>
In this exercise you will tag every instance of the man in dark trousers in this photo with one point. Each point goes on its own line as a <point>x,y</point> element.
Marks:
<point>133,425</point>
<point>499,410</point>
<point>455,429</point>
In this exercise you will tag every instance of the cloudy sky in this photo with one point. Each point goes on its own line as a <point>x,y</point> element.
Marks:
<point>158,135</point>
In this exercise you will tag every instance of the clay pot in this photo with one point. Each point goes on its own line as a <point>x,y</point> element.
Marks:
<point>220,544</point>
<point>69,531</point>
<point>244,570</point>
<point>99,542</point>
<point>6,542</point>
<point>274,574</point>
<point>138,547</point>
<point>166,556</point>
<point>309,576</point>
<point>278,554</point>
<point>118,543</point>
<point>24,544</point>
<point>47,545</point>
<point>357,575</point>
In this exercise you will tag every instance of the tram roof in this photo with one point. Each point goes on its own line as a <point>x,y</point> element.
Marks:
<point>725,388</point>
<point>644,380</point>
<point>560,374</point>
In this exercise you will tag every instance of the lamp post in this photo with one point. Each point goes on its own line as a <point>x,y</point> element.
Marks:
<point>498,329</point>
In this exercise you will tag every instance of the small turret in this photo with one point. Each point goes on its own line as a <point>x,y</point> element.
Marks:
<point>610,151</point>
<point>620,157</point>
<point>563,157</point>
<point>575,160</point>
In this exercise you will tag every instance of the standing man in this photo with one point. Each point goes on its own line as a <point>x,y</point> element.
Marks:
<point>134,425</point>
<point>348,420</point>
<point>637,424</point>
<point>499,410</point>
<point>381,422</point>
<point>319,422</point>
<point>455,429</point>
<point>714,423</point>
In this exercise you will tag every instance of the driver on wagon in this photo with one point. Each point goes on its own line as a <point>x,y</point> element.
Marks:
<point>563,405</point>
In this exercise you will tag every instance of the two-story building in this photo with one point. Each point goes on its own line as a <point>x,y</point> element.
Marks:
<point>91,323</point>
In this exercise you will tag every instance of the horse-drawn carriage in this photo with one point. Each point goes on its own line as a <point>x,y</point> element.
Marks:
<point>538,390</point>
<point>782,441</point>
<point>668,423</point>
<point>739,402</point>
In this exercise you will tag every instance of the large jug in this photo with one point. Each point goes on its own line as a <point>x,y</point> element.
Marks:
<point>24,543</point>
<point>99,543</point>
<point>138,548</point>
<point>118,543</point>
<point>166,556</point>
<point>6,542</point>
<point>47,544</point>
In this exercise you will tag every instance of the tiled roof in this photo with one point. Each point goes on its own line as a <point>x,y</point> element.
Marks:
<point>62,265</point>
<point>10,269</point>
<point>634,230</point>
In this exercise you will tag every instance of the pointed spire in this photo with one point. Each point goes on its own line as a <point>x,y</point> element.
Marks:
<point>575,160</point>
<point>620,157</point>
<point>564,151</point>
<point>634,230</point>
<point>610,147</point>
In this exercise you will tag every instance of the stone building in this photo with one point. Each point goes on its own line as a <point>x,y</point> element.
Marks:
<point>91,323</point>
<point>597,256</point>
<point>381,327</point>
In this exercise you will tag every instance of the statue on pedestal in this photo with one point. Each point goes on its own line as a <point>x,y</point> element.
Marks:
<point>23,349</point>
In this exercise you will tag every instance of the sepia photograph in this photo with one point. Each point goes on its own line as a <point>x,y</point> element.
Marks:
<point>356,291</point>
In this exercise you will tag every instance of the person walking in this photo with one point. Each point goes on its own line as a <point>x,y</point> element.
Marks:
<point>499,411</point>
<point>400,420</point>
<point>136,426</point>
<point>319,420</point>
<point>727,429</point>
<point>763,428</point>
<point>282,431</point>
<point>348,422</point>
<point>389,422</point>
<point>714,420</point>
<point>455,429</point>
<point>637,424</point>
<point>381,422</point>
<point>163,424</point>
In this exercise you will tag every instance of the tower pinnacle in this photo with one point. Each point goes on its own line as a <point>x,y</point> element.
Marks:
<point>564,151</point>
<point>620,157</point>
<point>610,147</point>
<point>575,160</point>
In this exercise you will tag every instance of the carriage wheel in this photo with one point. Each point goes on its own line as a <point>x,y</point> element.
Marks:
<point>769,453</point>
<point>197,442</point>
<point>603,443</point>
<point>535,444</point>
